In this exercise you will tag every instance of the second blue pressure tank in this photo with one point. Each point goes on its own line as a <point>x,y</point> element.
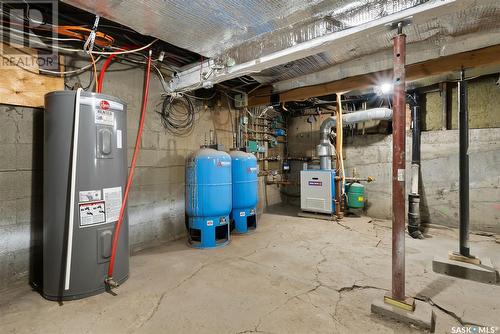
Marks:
<point>208,198</point>
<point>245,189</point>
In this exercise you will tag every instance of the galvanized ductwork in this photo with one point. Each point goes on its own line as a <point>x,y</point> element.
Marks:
<point>324,148</point>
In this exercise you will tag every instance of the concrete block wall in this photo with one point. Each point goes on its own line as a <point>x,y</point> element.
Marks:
<point>156,202</point>
<point>21,150</point>
<point>372,155</point>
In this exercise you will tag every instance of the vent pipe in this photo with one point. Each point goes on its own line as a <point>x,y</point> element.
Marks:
<point>324,148</point>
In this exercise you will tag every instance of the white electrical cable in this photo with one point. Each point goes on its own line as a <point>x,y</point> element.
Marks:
<point>19,38</point>
<point>126,51</point>
<point>72,194</point>
<point>94,52</point>
<point>162,80</point>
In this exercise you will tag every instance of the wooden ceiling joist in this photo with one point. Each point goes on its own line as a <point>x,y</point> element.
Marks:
<point>442,65</point>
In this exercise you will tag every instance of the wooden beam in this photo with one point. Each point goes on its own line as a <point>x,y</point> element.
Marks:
<point>20,86</point>
<point>442,65</point>
<point>260,96</point>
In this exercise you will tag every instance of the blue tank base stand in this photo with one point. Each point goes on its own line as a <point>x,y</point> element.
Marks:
<point>208,232</point>
<point>245,220</point>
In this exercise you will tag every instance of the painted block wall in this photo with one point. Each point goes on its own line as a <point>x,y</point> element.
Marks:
<point>156,202</point>
<point>371,154</point>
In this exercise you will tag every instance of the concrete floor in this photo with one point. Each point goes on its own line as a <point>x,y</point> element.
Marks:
<point>293,275</point>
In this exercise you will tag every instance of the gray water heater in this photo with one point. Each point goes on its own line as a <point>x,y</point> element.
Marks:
<point>85,170</point>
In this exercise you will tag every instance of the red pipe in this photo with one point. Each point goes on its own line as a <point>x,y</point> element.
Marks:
<point>106,64</point>
<point>109,280</point>
<point>103,69</point>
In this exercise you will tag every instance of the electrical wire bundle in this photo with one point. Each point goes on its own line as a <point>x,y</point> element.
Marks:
<point>82,39</point>
<point>177,114</point>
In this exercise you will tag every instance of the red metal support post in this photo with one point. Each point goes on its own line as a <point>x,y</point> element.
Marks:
<point>398,167</point>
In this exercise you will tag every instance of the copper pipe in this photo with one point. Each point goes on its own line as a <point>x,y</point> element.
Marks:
<point>398,167</point>
<point>338,163</point>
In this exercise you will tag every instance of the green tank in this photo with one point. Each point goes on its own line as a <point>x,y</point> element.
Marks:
<point>355,195</point>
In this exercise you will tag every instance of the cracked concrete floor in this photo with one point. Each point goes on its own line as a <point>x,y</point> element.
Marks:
<point>293,275</point>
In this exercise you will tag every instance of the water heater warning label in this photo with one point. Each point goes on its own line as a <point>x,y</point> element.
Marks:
<point>92,213</point>
<point>104,116</point>
<point>113,198</point>
<point>89,195</point>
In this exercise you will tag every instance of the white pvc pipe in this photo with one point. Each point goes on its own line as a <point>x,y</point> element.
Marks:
<point>69,248</point>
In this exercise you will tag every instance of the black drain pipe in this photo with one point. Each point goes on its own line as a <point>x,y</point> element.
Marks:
<point>413,196</point>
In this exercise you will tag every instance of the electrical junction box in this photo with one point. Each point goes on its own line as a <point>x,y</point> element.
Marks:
<point>254,147</point>
<point>241,100</point>
<point>317,191</point>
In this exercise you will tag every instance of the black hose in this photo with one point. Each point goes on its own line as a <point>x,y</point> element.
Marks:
<point>178,115</point>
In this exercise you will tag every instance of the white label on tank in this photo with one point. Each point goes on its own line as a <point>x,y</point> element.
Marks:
<point>252,169</point>
<point>89,195</point>
<point>210,222</point>
<point>101,103</point>
<point>119,139</point>
<point>223,163</point>
<point>401,174</point>
<point>113,199</point>
<point>242,214</point>
<point>92,213</point>
<point>104,116</point>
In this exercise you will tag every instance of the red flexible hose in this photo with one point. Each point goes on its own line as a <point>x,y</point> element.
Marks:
<point>103,69</point>
<point>132,169</point>
<point>106,64</point>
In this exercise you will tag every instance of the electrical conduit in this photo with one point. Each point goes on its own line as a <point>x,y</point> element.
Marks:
<point>69,247</point>
<point>109,280</point>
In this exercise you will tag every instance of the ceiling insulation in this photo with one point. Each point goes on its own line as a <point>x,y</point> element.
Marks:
<point>213,27</point>
<point>469,26</point>
<point>247,32</point>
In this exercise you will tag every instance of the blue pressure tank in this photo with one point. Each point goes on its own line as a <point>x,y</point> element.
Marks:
<point>208,198</point>
<point>245,189</point>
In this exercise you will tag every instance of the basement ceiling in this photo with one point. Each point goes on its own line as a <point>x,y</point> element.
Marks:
<point>245,31</point>
<point>468,25</point>
<point>212,27</point>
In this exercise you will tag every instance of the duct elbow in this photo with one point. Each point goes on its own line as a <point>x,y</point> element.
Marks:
<point>326,126</point>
